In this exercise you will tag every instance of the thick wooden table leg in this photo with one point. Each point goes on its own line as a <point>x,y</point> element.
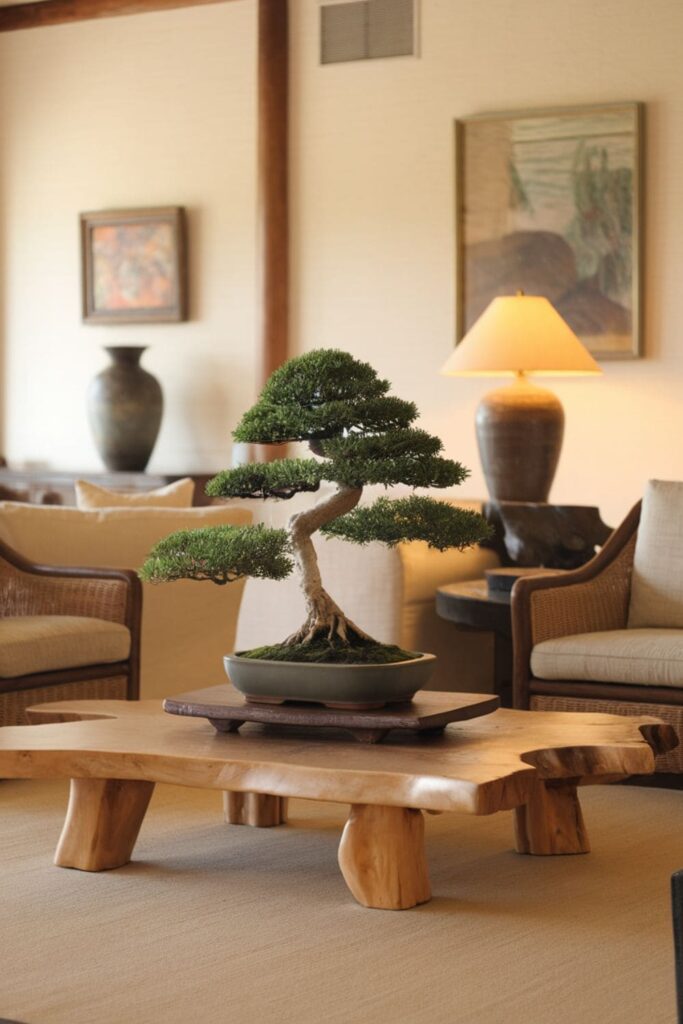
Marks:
<point>258,809</point>
<point>551,822</point>
<point>102,823</point>
<point>382,857</point>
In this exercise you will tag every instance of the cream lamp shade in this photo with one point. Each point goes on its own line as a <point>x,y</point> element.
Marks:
<point>520,427</point>
<point>520,334</point>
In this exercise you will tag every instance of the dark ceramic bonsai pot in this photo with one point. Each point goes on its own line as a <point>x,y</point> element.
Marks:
<point>341,686</point>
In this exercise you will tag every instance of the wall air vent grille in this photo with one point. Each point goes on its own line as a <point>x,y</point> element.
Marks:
<point>366,29</point>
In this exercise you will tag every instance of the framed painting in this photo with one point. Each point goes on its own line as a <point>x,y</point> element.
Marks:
<point>133,266</point>
<point>549,202</point>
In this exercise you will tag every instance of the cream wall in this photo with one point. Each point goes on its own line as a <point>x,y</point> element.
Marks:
<point>159,108</point>
<point>151,110</point>
<point>374,211</point>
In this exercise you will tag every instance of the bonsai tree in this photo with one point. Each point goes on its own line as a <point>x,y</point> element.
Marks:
<point>358,435</point>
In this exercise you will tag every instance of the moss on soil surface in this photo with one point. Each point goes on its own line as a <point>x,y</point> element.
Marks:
<point>328,652</point>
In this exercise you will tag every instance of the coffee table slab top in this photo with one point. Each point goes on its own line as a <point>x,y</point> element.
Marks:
<point>429,712</point>
<point>114,752</point>
<point>478,766</point>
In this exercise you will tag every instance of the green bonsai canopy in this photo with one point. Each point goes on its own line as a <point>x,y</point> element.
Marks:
<point>358,435</point>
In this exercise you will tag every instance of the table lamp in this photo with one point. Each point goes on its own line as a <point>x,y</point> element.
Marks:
<point>520,427</point>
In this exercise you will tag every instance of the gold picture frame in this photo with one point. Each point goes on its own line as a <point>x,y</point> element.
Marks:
<point>134,266</point>
<point>550,202</point>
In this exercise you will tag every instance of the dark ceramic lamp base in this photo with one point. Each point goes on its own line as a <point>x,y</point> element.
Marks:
<point>519,433</point>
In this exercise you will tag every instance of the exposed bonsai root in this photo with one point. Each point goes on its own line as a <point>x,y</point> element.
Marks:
<point>327,620</point>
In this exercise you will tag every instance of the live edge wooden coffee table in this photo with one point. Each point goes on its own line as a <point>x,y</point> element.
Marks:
<point>530,761</point>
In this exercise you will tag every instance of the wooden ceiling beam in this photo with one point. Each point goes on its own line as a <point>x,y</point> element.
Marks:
<point>59,12</point>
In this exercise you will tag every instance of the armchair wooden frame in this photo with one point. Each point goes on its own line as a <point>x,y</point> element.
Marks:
<point>587,600</point>
<point>111,594</point>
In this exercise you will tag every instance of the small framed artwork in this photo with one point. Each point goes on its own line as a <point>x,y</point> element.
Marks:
<point>549,202</point>
<point>133,266</point>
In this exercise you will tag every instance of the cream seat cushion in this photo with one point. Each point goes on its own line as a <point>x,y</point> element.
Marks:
<point>179,494</point>
<point>645,657</point>
<point>657,582</point>
<point>46,643</point>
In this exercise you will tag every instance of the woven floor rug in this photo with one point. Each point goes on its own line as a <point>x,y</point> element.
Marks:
<point>213,923</point>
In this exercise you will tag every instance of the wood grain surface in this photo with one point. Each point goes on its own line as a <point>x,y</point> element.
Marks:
<point>102,823</point>
<point>551,821</point>
<point>260,810</point>
<point>481,766</point>
<point>382,857</point>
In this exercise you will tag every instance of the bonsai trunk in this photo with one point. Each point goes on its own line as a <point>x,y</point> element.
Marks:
<point>324,616</point>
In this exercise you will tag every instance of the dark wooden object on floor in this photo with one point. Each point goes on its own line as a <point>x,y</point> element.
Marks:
<point>554,536</point>
<point>428,713</point>
<point>677,912</point>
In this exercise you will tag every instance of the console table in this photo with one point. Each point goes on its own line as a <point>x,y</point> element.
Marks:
<point>53,487</point>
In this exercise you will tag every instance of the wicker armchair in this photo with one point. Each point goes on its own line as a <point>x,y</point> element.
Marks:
<point>65,634</point>
<point>592,599</point>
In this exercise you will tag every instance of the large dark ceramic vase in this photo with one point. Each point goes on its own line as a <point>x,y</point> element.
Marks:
<point>125,404</point>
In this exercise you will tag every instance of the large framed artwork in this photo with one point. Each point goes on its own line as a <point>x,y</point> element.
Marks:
<point>133,266</point>
<point>549,203</point>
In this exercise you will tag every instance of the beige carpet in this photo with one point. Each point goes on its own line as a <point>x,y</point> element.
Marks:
<point>214,923</point>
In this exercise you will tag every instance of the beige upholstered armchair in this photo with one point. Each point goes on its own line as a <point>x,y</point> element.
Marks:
<point>609,636</point>
<point>65,633</point>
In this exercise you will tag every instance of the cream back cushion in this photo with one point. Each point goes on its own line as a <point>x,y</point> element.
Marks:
<point>657,585</point>
<point>179,494</point>
<point>187,627</point>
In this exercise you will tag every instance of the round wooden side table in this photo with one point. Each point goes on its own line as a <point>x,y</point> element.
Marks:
<point>470,605</point>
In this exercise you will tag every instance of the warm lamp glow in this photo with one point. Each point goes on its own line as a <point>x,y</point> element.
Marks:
<point>520,334</point>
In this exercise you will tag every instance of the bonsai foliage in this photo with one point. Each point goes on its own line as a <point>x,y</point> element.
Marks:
<point>221,554</point>
<point>357,435</point>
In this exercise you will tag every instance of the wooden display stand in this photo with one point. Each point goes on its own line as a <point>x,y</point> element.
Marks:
<point>427,714</point>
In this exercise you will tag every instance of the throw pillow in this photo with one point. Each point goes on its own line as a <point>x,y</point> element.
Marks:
<point>657,584</point>
<point>176,495</point>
